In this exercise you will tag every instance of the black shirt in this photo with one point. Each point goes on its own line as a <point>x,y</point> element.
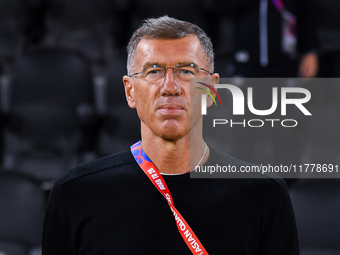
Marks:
<point>109,206</point>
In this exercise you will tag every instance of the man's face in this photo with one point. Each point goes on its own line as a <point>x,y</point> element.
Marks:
<point>164,106</point>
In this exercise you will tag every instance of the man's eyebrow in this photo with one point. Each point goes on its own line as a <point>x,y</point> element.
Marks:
<point>157,64</point>
<point>182,64</point>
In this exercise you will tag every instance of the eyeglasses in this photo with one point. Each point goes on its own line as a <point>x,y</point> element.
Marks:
<point>183,72</point>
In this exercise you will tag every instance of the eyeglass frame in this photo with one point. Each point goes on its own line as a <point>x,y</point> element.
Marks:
<point>173,69</point>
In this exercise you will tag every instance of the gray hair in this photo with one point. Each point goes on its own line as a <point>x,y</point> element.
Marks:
<point>168,28</point>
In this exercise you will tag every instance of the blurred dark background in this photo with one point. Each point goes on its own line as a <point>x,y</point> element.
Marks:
<point>62,99</point>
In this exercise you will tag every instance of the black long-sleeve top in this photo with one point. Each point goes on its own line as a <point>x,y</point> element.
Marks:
<point>109,206</point>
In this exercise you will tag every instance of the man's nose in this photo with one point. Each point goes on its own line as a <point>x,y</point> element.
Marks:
<point>171,85</point>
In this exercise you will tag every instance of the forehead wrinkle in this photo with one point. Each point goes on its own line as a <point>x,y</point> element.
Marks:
<point>150,64</point>
<point>146,51</point>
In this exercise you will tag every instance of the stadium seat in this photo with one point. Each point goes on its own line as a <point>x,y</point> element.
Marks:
<point>120,130</point>
<point>317,210</point>
<point>12,20</point>
<point>121,125</point>
<point>51,112</point>
<point>22,205</point>
<point>201,13</point>
<point>85,25</point>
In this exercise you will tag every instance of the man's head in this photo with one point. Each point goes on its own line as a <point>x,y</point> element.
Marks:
<point>163,57</point>
<point>167,28</point>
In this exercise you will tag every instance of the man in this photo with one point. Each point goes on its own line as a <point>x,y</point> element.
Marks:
<point>110,206</point>
<point>273,38</point>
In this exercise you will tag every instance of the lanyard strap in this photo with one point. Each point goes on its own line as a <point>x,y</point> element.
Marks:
<point>157,180</point>
<point>279,5</point>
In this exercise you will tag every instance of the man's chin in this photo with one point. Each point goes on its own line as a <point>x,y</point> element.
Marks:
<point>171,137</point>
<point>172,134</point>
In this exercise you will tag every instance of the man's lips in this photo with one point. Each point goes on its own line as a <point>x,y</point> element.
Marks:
<point>171,106</point>
<point>171,109</point>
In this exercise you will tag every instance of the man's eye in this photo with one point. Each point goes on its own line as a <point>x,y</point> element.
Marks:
<point>154,71</point>
<point>185,72</point>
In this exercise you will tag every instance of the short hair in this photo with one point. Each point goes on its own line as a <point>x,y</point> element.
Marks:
<point>168,28</point>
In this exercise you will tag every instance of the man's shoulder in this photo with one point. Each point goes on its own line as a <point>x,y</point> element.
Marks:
<point>224,158</point>
<point>112,162</point>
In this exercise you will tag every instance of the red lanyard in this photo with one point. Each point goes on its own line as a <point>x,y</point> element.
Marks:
<point>279,5</point>
<point>155,177</point>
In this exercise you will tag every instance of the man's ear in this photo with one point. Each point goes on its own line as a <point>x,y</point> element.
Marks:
<point>129,91</point>
<point>214,79</point>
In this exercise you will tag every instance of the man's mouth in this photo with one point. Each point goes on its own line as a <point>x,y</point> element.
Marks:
<point>170,109</point>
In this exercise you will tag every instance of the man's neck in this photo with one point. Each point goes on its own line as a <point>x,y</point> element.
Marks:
<point>175,156</point>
